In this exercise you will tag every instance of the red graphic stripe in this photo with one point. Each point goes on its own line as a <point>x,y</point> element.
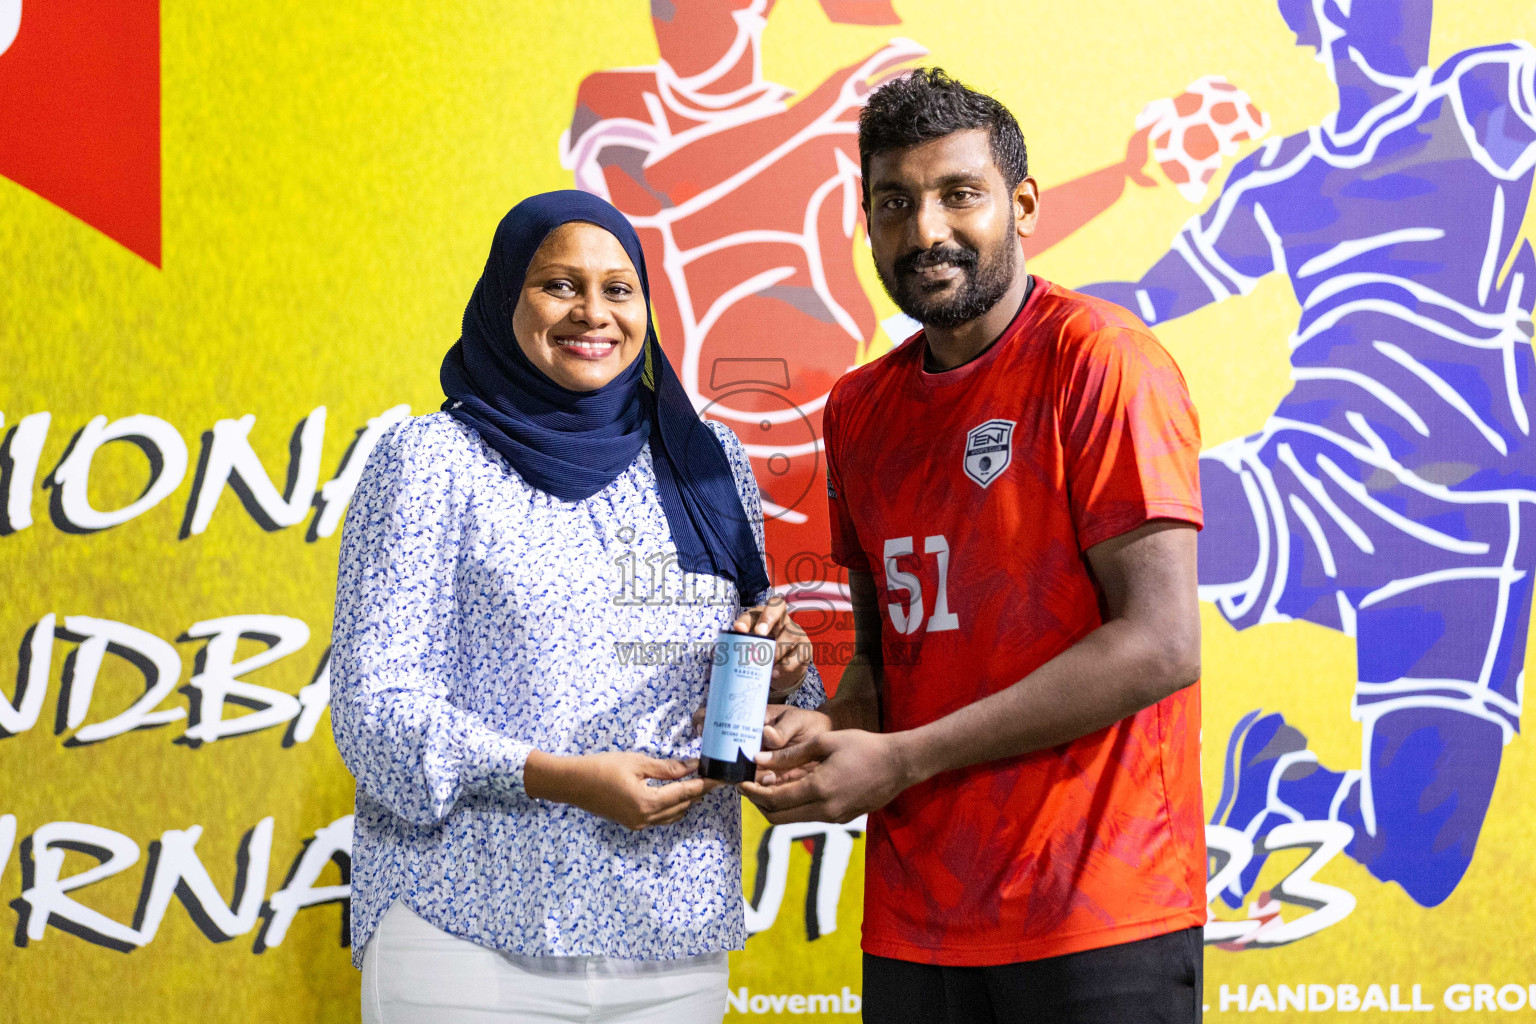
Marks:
<point>80,113</point>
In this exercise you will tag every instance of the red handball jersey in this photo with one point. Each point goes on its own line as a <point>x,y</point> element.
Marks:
<point>971,496</point>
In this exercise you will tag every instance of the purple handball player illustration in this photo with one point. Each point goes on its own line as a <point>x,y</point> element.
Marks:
<point>1392,494</point>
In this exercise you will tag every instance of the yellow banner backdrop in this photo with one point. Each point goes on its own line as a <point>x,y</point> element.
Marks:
<point>236,240</point>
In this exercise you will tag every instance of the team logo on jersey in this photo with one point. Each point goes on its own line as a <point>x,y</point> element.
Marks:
<point>988,450</point>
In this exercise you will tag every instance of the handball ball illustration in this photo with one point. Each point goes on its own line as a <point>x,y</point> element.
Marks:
<point>1192,131</point>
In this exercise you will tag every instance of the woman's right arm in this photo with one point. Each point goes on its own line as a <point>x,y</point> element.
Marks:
<point>396,641</point>
<point>396,651</point>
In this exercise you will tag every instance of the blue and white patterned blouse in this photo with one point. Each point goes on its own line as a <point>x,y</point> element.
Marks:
<point>479,618</point>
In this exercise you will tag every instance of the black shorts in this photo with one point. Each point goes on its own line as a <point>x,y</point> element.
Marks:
<point>1151,981</point>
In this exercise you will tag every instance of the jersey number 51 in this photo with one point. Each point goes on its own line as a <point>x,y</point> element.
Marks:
<point>896,579</point>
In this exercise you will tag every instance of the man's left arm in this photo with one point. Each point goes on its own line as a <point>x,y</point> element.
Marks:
<point>1147,648</point>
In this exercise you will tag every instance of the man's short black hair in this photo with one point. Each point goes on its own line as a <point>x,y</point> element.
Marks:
<point>928,104</point>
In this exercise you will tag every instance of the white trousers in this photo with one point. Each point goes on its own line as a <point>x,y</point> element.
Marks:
<point>415,973</point>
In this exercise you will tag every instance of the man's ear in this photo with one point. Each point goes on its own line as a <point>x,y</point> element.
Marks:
<point>1026,207</point>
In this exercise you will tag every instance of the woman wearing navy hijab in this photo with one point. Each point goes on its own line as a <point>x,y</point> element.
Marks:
<point>530,841</point>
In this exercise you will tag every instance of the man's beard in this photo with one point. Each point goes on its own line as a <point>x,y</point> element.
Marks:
<point>980,287</point>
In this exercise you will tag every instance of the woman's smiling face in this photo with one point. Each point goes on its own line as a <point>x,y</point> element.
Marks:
<point>581,315</point>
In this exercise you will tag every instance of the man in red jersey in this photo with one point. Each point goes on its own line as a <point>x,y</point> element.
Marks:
<point>1015,493</point>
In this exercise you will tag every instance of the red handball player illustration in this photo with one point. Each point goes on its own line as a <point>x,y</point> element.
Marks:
<point>746,204</point>
<point>747,200</point>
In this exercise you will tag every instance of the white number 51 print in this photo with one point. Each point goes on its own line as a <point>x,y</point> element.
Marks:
<point>911,620</point>
<point>10,22</point>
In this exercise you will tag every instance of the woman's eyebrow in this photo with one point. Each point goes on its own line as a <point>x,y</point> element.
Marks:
<point>569,268</point>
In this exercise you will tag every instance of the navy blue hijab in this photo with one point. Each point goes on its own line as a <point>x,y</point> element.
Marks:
<point>573,443</point>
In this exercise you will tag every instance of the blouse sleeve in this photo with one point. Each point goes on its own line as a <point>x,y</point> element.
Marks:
<point>811,693</point>
<point>396,641</point>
